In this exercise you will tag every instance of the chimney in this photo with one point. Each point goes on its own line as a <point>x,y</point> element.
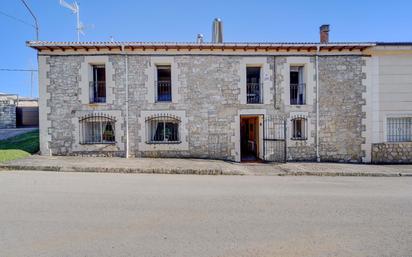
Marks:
<point>199,38</point>
<point>324,34</point>
<point>217,31</point>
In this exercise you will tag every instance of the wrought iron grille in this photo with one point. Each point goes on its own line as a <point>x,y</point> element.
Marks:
<point>254,93</point>
<point>97,91</point>
<point>399,129</point>
<point>299,128</point>
<point>298,94</point>
<point>163,129</point>
<point>164,91</point>
<point>97,128</point>
<point>274,139</point>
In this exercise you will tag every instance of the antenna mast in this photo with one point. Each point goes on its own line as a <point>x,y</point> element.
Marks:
<point>74,7</point>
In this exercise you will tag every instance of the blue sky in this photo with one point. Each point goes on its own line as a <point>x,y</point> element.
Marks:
<point>155,20</point>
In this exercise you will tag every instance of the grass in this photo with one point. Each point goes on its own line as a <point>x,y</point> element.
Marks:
<point>19,146</point>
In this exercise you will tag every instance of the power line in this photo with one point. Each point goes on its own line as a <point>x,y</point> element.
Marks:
<point>19,70</point>
<point>17,19</point>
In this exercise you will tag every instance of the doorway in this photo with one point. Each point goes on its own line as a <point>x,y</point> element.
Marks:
<point>249,138</point>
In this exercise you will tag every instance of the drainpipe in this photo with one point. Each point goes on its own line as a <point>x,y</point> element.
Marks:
<point>317,104</point>
<point>126,60</point>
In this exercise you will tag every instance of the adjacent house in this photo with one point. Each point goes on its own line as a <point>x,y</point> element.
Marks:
<point>343,102</point>
<point>8,104</point>
<point>17,111</point>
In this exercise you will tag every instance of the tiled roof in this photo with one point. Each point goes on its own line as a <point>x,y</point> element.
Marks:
<point>137,43</point>
<point>251,46</point>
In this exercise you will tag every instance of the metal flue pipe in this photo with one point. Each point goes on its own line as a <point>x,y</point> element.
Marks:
<point>217,31</point>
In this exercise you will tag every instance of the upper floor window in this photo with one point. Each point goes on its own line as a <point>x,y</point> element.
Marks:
<point>164,83</point>
<point>253,85</point>
<point>297,86</point>
<point>97,129</point>
<point>299,128</point>
<point>163,129</point>
<point>399,129</point>
<point>98,85</point>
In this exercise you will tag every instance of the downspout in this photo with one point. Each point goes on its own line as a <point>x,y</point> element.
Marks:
<point>126,60</point>
<point>317,104</point>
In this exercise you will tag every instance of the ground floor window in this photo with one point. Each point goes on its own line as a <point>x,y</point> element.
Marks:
<point>97,129</point>
<point>299,129</point>
<point>399,129</point>
<point>163,129</point>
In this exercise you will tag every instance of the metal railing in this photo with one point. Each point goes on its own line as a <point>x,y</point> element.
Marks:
<point>298,94</point>
<point>162,129</point>
<point>254,93</point>
<point>97,128</point>
<point>164,91</point>
<point>399,129</point>
<point>97,91</point>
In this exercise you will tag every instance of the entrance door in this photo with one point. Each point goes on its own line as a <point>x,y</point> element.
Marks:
<point>249,138</point>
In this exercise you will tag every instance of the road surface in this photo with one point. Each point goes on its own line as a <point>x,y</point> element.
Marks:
<point>95,214</point>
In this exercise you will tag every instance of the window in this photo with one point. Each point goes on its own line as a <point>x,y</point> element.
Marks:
<point>399,129</point>
<point>97,129</point>
<point>163,129</point>
<point>164,83</point>
<point>297,86</point>
<point>299,129</point>
<point>98,85</point>
<point>253,85</point>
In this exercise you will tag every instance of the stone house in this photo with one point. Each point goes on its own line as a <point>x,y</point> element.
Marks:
<point>344,102</point>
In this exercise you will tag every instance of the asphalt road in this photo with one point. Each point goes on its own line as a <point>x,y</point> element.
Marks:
<point>89,214</point>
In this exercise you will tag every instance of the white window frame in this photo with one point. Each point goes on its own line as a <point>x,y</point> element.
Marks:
<point>261,94</point>
<point>309,80</point>
<point>151,84</point>
<point>301,84</point>
<point>162,118</point>
<point>101,121</point>
<point>143,145</point>
<point>86,76</point>
<point>408,126</point>
<point>265,80</point>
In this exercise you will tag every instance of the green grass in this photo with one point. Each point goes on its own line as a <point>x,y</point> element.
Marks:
<point>19,146</point>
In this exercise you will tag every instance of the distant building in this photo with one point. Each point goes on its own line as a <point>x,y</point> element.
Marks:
<point>343,102</point>
<point>18,111</point>
<point>7,111</point>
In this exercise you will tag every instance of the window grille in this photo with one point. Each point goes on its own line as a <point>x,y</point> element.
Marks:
<point>399,129</point>
<point>164,83</point>
<point>163,129</point>
<point>297,86</point>
<point>299,128</point>
<point>97,87</point>
<point>253,93</point>
<point>97,129</point>
<point>253,85</point>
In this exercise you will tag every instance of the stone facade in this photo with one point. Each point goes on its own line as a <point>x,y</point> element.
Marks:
<point>341,101</point>
<point>208,97</point>
<point>7,114</point>
<point>392,152</point>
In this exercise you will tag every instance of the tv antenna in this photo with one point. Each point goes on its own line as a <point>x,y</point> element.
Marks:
<point>74,7</point>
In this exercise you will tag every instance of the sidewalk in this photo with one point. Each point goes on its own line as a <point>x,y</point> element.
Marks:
<point>200,167</point>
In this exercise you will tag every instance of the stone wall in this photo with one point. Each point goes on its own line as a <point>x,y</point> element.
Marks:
<point>392,152</point>
<point>7,114</point>
<point>341,100</point>
<point>65,106</point>
<point>208,93</point>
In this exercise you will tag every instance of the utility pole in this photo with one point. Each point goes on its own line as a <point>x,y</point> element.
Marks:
<point>34,17</point>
